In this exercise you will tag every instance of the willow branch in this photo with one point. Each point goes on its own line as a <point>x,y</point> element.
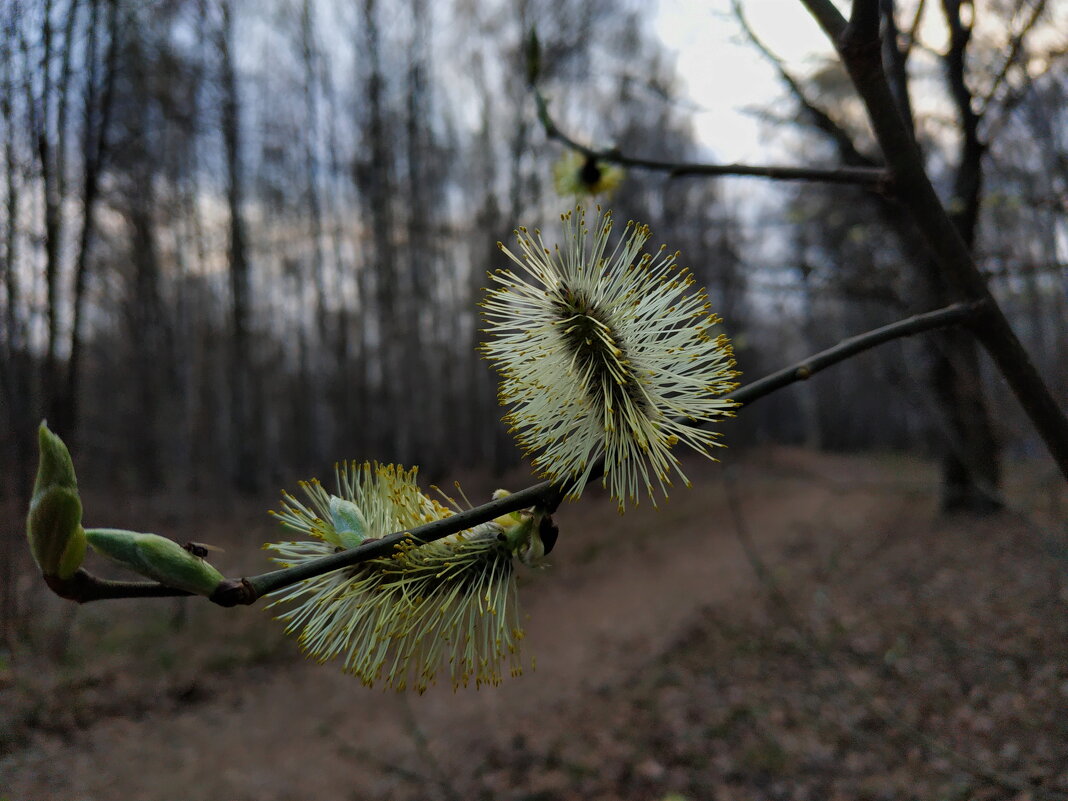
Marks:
<point>940,318</point>
<point>865,176</point>
<point>85,587</point>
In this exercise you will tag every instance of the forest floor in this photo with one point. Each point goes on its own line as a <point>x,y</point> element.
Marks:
<point>797,626</point>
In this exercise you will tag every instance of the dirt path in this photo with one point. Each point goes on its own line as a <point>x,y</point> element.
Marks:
<point>621,591</point>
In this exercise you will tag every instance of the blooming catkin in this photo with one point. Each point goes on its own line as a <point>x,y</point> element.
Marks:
<point>445,605</point>
<point>606,352</point>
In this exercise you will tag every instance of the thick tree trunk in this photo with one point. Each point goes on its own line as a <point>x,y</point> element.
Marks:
<point>970,469</point>
<point>390,391</point>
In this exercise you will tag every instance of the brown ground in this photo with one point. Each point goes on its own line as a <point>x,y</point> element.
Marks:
<point>882,653</point>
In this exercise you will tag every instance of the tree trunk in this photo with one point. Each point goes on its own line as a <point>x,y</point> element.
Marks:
<point>146,334</point>
<point>14,381</point>
<point>244,407</point>
<point>970,470</point>
<point>94,145</point>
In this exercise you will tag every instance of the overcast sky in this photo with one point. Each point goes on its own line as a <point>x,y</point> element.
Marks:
<point>723,75</point>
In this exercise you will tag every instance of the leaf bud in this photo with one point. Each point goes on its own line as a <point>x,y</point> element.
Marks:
<point>54,523</point>
<point>349,523</point>
<point>157,558</point>
<point>525,540</point>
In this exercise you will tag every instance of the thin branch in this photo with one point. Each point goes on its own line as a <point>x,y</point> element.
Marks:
<point>83,587</point>
<point>865,176</point>
<point>232,592</point>
<point>950,315</point>
<point>896,60</point>
<point>1012,58</point>
<point>914,28</point>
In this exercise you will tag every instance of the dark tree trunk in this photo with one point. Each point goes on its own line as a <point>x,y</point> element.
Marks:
<point>970,471</point>
<point>96,121</point>
<point>244,415</point>
<point>971,467</point>
<point>146,323</point>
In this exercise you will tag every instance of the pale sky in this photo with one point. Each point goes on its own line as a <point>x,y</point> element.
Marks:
<point>722,74</point>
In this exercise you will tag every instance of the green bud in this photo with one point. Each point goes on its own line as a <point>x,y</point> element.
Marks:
<point>511,518</point>
<point>157,558</point>
<point>524,540</point>
<point>54,522</point>
<point>349,523</point>
<point>56,469</point>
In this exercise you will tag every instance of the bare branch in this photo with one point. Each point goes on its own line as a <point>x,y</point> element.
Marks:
<point>949,250</point>
<point>896,60</point>
<point>828,17</point>
<point>967,179</point>
<point>840,175</point>
<point>1012,58</point>
<point>85,587</point>
<point>914,28</point>
<point>940,318</point>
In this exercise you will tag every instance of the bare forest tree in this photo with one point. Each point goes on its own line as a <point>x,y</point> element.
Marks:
<point>974,78</point>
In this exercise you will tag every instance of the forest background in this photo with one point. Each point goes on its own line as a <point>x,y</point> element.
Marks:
<point>241,241</point>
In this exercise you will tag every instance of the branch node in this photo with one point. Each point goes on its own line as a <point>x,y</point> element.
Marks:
<point>71,588</point>
<point>234,592</point>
